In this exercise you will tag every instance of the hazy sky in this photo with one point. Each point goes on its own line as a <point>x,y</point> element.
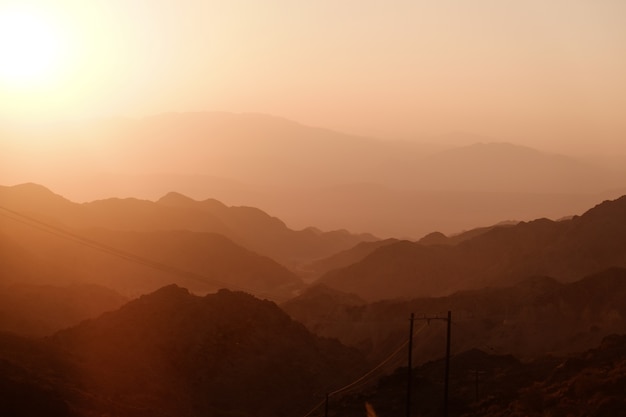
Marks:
<point>541,71</point>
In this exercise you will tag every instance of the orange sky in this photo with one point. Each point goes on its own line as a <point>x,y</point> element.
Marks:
<point>534,71</point>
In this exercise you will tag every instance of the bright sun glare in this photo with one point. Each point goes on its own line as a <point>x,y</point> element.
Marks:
<point>31,47</point>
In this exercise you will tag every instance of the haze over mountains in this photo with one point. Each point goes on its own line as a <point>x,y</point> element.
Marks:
<point>567,250</point>
<point>307,208</point>
<point>543,274</point>
<point>306,176</point>
<point>209,245</point>
<point>210,239</point>
<point>527,288</point>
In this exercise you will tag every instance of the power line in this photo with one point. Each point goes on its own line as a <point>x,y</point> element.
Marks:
<point>90,243</point>
<point>128,256</point>
<point>448,320</point>
<point>369,373</point>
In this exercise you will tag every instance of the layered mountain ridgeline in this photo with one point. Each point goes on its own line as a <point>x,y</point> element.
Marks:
<point>253,148</point>
<point>40,310</point>
<point>171,353</point>
<point>136,262</point>
<point>566,250</point>
<point>247,226</point>
<point>591,383</point>
<point>243,147</point>
<point>536,316</point>
<point>61,242</point>
<point>519,169</point>
<point>438,238</point>
<point>306,175</point>
<point>344,258</point>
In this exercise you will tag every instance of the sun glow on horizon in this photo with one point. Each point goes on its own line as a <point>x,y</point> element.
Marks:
<point>33,48</point>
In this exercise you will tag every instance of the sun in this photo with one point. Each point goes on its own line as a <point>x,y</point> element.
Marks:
<point>31,47</point>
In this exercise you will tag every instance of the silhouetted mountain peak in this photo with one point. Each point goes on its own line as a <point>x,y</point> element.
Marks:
<point>434,238</point>
<point>607,209</point>
<point>30,193</point>
<point>169,292</point>
<point>214,204</point>
<point>32,188</point>
<point>175,199</point>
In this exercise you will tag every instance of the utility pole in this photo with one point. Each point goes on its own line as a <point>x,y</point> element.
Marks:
<point>446,380</point>
<point>410,365</point>
<point>447,377</point>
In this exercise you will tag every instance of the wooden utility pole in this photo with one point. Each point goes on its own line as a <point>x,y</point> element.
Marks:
<point>410,366</point>
<point>447,377</point>
<point>446,380</point>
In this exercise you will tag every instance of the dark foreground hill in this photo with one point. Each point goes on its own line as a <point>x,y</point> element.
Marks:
<point>534,317</point>
<point>171,353</point>
<point>566,250</point>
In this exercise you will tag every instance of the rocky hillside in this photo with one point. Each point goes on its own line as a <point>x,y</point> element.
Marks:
<point>171,353</point>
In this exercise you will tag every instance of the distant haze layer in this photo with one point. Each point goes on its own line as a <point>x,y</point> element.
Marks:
<point>305,176</point>
<point>532,72</point>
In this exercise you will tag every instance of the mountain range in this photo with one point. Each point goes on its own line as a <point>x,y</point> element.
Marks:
<point>530,289</point>
<point>48,238</point>
<point>534,317</point>
<point>307,175</point>
<point>567,250</point>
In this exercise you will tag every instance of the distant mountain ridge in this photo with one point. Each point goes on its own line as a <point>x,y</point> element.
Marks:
<point>307,175</point>
<point>344,258</point>
<point>42,249</point>
<point>566,250</point>
<point>247,226</point>
<point>506,167</point>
